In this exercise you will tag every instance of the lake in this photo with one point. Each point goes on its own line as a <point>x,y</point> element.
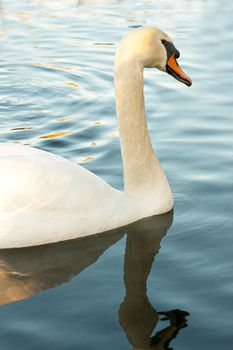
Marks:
<point>166,281</point>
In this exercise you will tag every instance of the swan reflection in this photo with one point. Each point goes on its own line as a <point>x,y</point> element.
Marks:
<point>136,315</point>
<point>26,271</point>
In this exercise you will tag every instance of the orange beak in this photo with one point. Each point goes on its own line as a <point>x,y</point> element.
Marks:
<point>174,69</point>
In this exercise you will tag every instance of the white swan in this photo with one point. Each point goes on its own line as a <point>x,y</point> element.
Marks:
<point>45,198</point>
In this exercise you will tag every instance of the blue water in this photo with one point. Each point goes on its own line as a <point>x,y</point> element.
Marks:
<point>56,93</point>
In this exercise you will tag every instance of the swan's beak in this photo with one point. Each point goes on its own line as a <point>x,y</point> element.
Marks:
<point>174,69</point>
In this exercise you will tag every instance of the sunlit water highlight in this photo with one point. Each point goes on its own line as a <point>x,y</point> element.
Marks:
<point>56,93</point>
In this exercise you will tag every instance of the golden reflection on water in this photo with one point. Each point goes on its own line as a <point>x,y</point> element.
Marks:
<point>98,122</point>
<point>55,135</point>
<point>49,66</point>
<point>26,271</point>
<point>86,159</point>
<point>63,119</point>
<point>72,84</point>
<point>68,118</point>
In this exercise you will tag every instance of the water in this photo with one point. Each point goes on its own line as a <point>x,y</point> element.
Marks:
<point>56,93</point>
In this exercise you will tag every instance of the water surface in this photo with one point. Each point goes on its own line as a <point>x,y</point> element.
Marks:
<point>56,93</point>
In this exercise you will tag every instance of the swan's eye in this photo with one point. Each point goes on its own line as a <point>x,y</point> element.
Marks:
<point>177,54</point>
<point>170,48</point>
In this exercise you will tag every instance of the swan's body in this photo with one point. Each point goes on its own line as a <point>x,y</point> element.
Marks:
<point>45,198</point>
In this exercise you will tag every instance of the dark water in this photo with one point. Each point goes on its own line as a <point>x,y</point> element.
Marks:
<point>56,93</point>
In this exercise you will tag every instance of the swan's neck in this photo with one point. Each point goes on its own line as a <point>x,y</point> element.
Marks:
<point>143,176</point>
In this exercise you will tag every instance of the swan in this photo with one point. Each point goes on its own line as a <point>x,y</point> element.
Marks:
<point>45,198</point>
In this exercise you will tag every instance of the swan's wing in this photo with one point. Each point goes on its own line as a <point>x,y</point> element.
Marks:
<point>35,180</point>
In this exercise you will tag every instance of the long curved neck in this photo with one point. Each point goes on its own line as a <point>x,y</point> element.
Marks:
<point>143,175</point>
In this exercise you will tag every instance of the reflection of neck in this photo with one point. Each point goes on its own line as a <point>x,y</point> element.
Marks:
<point>143,243</point>
<point>137,316</point>
<point>140,252</point>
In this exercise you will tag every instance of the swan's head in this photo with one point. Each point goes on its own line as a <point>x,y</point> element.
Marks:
<point>152,48</point>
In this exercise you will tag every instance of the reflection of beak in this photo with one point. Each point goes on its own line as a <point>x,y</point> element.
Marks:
<point>174,69</point>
